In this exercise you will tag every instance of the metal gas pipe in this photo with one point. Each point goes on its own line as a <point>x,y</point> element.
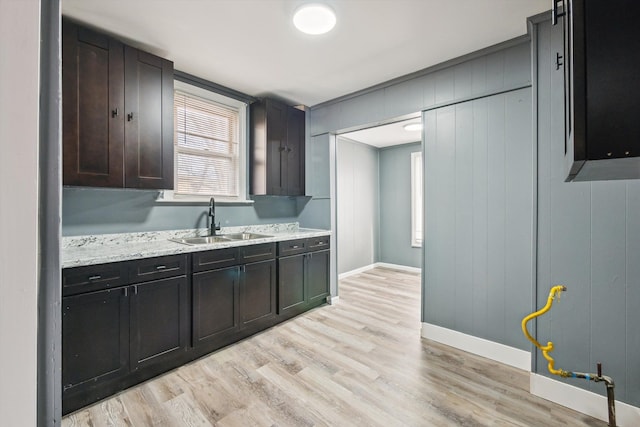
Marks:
<point>569,374</point>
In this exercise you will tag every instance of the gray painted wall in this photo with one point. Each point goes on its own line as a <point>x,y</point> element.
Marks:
<point>357,181</point>
<point>588,240</point>
<point>101,211</point>
<point>479,183</point>
<point>395,206</point>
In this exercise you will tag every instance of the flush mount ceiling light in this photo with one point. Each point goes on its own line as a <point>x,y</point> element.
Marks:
<point>314,18</point>
<point>411,127</point>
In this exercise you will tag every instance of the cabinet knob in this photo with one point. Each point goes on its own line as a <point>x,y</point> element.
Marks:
<point>129,117</point>
<point>115,113</point>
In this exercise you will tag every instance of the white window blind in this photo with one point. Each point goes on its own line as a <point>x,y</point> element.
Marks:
<point>416,199</point>
<point>206,147</point>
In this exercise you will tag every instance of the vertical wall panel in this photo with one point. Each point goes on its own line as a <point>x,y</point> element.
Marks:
<point>608,276</point>
<point>463,80</point>
<point>431,184</point>
<point>445,85</point>
<point>496,199</point>
<point>519,175</point>
<point>480,208</point>
<point>463,215</point>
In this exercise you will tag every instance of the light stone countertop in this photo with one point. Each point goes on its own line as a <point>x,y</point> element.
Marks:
<point>99,249</point>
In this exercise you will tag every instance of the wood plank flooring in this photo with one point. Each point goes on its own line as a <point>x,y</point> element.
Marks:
<point>360,362</point>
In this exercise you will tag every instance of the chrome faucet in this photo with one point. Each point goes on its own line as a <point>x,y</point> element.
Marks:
<point>212,218</point>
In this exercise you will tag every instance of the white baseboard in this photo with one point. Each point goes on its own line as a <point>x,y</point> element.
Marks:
<point>398,267</point>
<point>356,271</point>
<point>491,350</point>
<point>587,402</point>
<point>378,264</point>
<point>333,299</point>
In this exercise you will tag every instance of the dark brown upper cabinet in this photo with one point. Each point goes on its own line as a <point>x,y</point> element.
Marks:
<point>117,108</point>
<point>601,62</point>
<point>277,149</point>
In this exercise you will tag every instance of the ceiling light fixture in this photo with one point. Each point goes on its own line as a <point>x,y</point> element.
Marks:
<point>411,127</point>
<point>314,18</point>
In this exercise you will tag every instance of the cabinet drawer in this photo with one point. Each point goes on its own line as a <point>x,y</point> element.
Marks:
<point>254,253</point>
<point>292,247</point>
<point>318,243</point>
<point>219,258</point>
<point>91,278</point>
<point>144,270</point>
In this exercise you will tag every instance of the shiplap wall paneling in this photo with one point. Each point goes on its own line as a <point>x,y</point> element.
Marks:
<point>479,216</point>
<point>496,70</point>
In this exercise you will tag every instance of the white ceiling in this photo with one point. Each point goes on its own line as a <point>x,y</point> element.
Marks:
<point>387,135</point>
<point>252,46</point>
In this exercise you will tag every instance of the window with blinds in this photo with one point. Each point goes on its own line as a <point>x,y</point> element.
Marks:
<point>207,154</point>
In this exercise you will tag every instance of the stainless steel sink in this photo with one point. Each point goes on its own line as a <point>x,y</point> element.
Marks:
<point>244,236</point>
<point>201,240</point>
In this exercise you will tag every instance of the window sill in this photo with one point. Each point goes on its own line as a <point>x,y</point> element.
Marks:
<point>167,197</point>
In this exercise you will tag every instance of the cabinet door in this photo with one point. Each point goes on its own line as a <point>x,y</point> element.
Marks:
<point>317,277</point>
<point>95,339</point>
<point>293,168</point>
<point>148,121</point>
<point>276,147</point>
<point>257,292</point>
<point>159,320</point>
<point>291,289</point>
<point>92,108</point>
<point>215,305</point>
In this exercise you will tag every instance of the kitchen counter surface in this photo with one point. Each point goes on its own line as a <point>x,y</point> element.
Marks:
<point>99,249</point>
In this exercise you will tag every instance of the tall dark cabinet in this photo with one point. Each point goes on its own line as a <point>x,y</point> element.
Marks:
<point>277,149</point>
<point>117,108</point>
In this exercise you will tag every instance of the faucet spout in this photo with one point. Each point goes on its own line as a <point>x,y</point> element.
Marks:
<point>213,227</point>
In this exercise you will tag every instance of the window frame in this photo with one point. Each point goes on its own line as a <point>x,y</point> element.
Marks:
<point>225,101</point>
<point>417,206</point>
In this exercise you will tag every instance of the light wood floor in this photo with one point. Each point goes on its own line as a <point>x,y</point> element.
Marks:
<point>360,362</point>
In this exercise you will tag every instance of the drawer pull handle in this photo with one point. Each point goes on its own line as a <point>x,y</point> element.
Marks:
<point>321,243</point>
<point>96,277</point>
<point>295,247</point>
<point>160,267</point>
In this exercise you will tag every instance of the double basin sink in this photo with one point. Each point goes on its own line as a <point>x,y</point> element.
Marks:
<point>203,240</point>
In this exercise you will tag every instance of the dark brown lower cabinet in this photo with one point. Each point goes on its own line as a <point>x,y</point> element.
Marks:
<point>257,292</point>
<point>317,277</point>
<point>215,306</point>
<point>159,321</point>
<point>95,339</point>
<point>291,289</point>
